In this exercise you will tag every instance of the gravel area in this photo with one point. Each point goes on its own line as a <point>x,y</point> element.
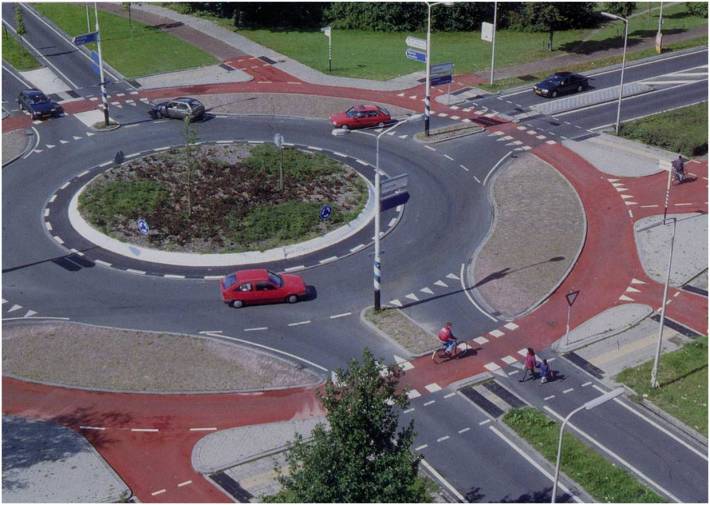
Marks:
<point>14,143</point>
<point>399,328</point>
<point>91,357</point>
<point>537,232</point>
<point>284,104</point>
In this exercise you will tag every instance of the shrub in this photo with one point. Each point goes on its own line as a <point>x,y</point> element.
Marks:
<point>697,8</point>
<point>283,222</point>
<point>300,165</point>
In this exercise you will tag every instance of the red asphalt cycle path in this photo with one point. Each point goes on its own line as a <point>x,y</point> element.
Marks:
<point>150,462</point>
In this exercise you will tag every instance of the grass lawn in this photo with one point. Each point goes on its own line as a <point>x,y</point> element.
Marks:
<point>16,55</point>
<point>682,130</point>
<point>600,63</point>
<point>683,375</point>
<point>599,477</point>
<point>137,52</point>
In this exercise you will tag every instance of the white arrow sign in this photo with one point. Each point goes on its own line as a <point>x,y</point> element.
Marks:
<point>416,43</point>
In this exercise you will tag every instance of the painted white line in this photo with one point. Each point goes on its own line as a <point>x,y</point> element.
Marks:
<point>433,387</point>
<point>257,328</point>
<point>509,359</point>
<point>477,179</point>
<point>101,262</point>
<point>408,411</point>
<point>496,333</point>
<point>511,326</point>
<point>145,430</point>
<point>449,395</point>
<point>63,186</point>
<point>365,163</point>
<point>328,260</point>
<point>300,323</point>
<point>470,297</point>
<point>421,447</point>
<point>213,277</point>
<point>549,397</point>
<point>430,148</point>
<point>413,393</point>
<point>173,276</point>
<point>392,222</point>
<point>203,429</point>
<point>46,212</point>
<point>184,483</point>
<point>357,248</point>
<point>586,384</point>
<point>426,404</point>
<point>482,423</point>
<point>480,340</point>
<point>657,426</point>
<point>314,148</point>
<point>513,372</point>
<point>532,462</point>
<point>448,157</point>
<point>340,154</point>
<point>649,206</point>
<point>568,390</point>
<point>490,172</point>
<point>464,430</point>
<point>443,481</point>
<point>133,271</point>
<point>99,428</point>
<point>54,197</point>
<point>441,439</point>
<point>491,366</point>
<point>466,169</point>
<point>82,174</point>
<point>155,493</point>
<point>344,314</point>
<point>616,456</point>
<point>294,269</point>
<point>58,239</point>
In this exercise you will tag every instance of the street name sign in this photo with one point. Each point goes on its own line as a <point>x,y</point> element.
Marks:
<point>415,55</point>
<point>416,43</point>
<point>85,38</point>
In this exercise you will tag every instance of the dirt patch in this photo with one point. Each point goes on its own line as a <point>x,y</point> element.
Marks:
<point>223,198</point>
<point>84,356</point>
<point>537,233</point>
<point>402,330</point>
<point>14,144</point>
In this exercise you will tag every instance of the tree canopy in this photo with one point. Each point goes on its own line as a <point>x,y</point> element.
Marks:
<point>364,456</point>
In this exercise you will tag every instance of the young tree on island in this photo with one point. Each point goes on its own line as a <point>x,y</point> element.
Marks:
<point>363,457</point>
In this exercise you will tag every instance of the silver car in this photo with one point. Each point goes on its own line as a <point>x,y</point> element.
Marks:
<point>178,108</point>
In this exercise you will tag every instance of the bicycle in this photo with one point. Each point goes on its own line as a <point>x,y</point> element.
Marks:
<point>440,354</point>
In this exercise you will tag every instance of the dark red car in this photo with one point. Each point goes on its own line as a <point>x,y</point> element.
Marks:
<point>249,287</point>
<point>361,116</point>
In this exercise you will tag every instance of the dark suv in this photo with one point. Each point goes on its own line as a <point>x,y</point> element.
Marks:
<point>178,108</point>
<point>561,83</point>
<point>37,104</point>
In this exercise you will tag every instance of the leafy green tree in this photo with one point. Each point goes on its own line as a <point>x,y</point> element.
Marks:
<point>19,21</point>
<point>697,8</point>
<point>363,457</point>
<point>623,9</point>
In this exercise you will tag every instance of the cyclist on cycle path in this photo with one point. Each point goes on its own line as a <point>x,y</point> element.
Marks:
<point>446,336</point>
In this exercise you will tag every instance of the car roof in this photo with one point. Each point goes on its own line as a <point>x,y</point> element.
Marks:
<point>562,74</point>
<point>31,91</point>
<point>255,274</point>
<point>366,107</point>
<point>186,99</point>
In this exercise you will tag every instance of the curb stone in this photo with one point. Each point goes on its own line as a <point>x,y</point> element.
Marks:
<point>29,132</point>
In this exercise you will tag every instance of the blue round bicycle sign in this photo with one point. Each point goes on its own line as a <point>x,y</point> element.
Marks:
<point>325,212</point>
<point>143,226</point>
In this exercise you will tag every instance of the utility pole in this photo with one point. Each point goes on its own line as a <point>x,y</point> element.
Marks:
<point>657,357</point>
<point>493,48</point>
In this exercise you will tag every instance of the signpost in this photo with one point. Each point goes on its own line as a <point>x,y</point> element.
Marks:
<point>85,38</point>
<point>441,73</point>
<point>118,159</point>
<point>325,212</point>
<point>328,32</point>
<point>143,226</point>
<point>415,55</point>
<point>278,142</point>
<point>95,61</point>
<point>393,186</point>
<point>416,43</point>
<point>571,297</point>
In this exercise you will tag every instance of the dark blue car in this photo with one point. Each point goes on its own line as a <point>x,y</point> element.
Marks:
<point>38,105</point>
<point>560,84</point>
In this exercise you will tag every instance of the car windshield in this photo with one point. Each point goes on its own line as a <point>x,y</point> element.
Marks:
<point>554,78</point>
<point>39,99</point>
<point>351,112</point>
<point>384,111</point>
<point>230,280</point>
<point>276,279</point>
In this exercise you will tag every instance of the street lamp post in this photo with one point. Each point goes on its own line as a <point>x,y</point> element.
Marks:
<point>104,97</point>
<point>493,43</point>
<point>588,406</point>
<point>376,265</point>
<point>656,358</point>
<point>427,102</point>
<point>623,64</point>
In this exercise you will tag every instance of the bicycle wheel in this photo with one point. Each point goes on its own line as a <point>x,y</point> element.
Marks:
<point>438,356</point>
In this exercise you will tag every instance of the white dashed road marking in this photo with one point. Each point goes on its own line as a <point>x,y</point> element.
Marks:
<point>258,328</point>
<point>300,323</point>
<point>441,439</point>
<point>203,429</point>
<point>344,314</point>
<point>464,430</point>
<point>433,388</point>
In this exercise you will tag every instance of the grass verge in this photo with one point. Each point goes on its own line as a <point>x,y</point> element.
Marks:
<point>603,480</point>
<point>133,49</point>
<point>682,130</point>
<point>16,55</point>
<point>591,65</point>
<point>683,375</point>
<point>401,329</point>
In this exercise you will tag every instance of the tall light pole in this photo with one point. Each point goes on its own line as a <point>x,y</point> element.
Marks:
<point>104,97</point>
<point>493,48</point>
<point>659,34</point>
<point>657,357</point>
<point>588,406</point>
<point>377,266</point>
<point>427,102</point>
<point>623,64</point>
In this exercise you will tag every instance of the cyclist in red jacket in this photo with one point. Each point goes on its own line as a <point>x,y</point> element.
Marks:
<point>446,336</point>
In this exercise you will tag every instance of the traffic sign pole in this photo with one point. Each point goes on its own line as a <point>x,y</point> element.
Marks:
<point>104,96</point>
<point>427,105</point>
<point>571,297</point>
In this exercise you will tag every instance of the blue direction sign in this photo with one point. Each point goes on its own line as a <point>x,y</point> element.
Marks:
<point>143,226</point>
<point>85,38</point>
<point>325,212</point>
<point>95,62</point>
<point>438,81</point>
<point>416,55</point>
<point>441,73</point>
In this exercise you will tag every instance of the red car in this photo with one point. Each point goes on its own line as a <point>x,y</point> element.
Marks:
<point>361,116</point>
<point>248,287</point>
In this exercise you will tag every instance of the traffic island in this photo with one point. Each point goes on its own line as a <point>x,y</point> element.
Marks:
<point>397,327</point>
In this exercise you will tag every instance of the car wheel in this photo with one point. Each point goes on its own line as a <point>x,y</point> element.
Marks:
<point>292,298</point>
<point>381,124</point>
<point>344,127</point>
<point>554,94</point>
<point>235,304</point>
<point>579,88</point>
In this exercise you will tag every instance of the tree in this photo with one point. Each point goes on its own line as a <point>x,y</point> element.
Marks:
<point>19,21</point>
<point>362,458</point>
<point>697,8</point>
<point>623,9</point>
